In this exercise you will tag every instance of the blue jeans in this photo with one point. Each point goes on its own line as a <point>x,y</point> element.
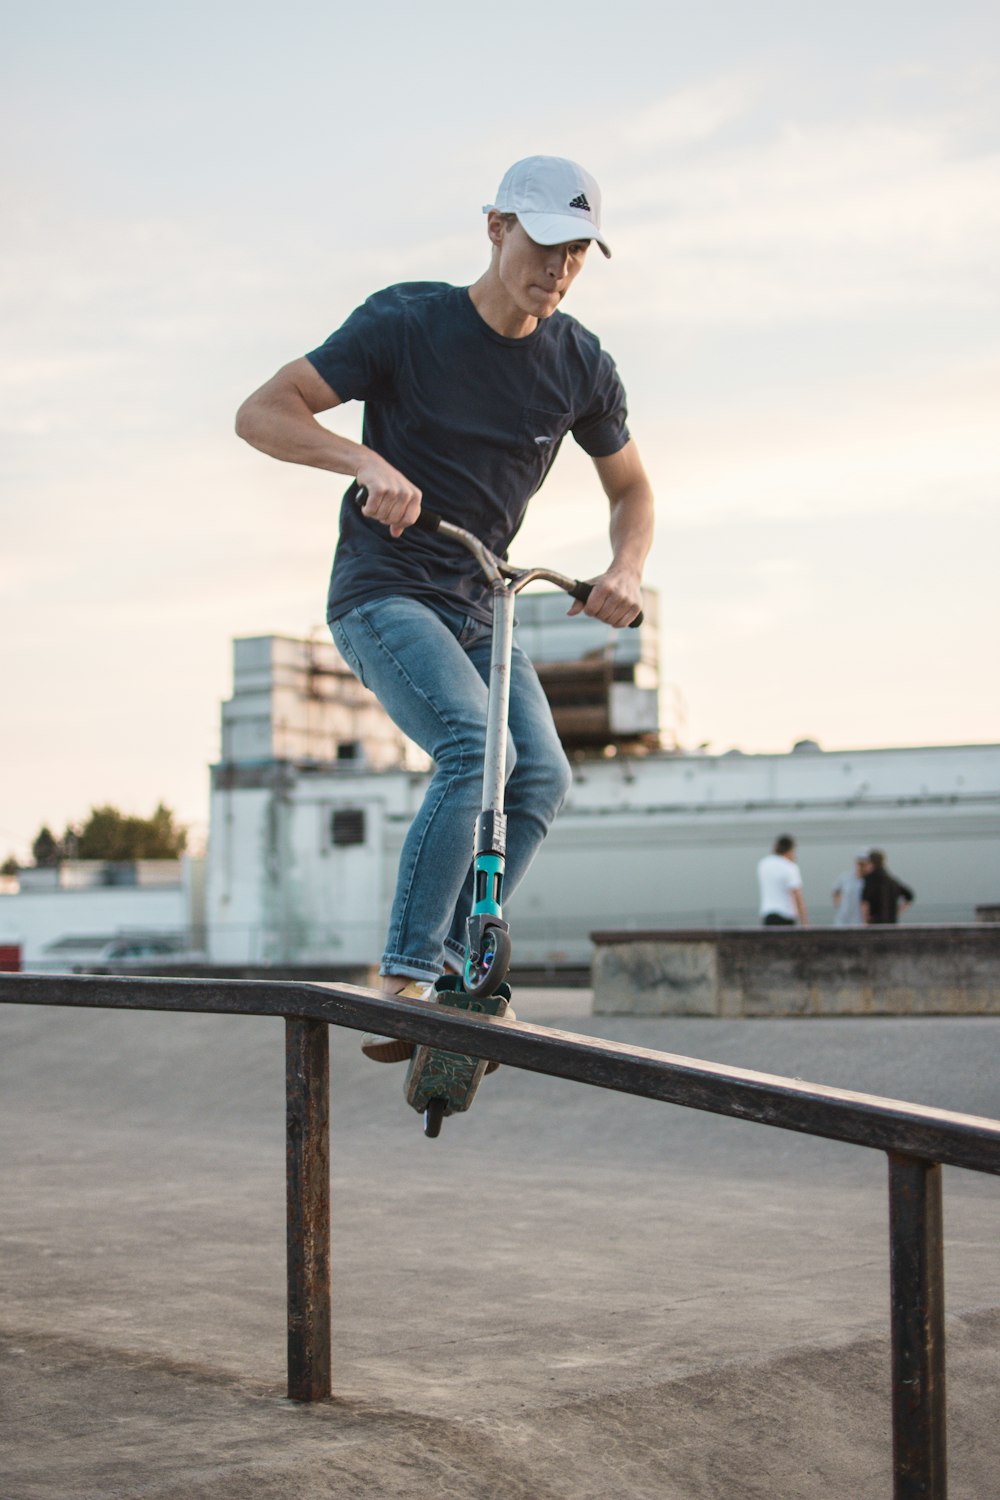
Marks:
<point>429,667</point>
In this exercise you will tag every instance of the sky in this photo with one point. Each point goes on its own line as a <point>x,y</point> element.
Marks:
<point>803,202</point>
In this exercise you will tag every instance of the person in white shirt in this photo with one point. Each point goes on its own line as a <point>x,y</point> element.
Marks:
<point>781,903</point>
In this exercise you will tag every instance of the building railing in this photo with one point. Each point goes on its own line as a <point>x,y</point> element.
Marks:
<point>916,1139</point>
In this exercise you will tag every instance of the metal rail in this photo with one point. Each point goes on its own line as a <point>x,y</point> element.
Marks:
<point>917,1140</point>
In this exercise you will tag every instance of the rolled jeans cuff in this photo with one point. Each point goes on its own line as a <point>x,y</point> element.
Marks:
<point>455,952</point>
<point>409,968</point>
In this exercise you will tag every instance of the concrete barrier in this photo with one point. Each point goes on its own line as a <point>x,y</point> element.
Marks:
<point>812,971</point>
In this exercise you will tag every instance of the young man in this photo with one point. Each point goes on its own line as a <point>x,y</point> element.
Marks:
<point>781,902</point>
<point>468,393</point>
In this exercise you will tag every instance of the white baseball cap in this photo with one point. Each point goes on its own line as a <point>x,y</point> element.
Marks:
<point>554,199</point>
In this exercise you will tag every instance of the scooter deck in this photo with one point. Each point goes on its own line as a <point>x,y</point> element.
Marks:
<point>450,1076</point>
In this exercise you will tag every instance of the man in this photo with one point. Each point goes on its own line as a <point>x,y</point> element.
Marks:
<point>847,892</point>
<point>883,897</point>
<point>468,393</point>
<point>781,903</point>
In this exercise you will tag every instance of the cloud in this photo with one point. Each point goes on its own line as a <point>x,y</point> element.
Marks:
<point>891,443</point>
<point>687,116</point>
<point>809,220</point>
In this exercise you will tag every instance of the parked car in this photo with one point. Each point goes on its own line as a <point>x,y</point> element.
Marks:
<point>127,950</point>
<point>147,952</point>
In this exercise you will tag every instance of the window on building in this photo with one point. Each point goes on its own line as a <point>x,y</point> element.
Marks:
<point>347,826</point>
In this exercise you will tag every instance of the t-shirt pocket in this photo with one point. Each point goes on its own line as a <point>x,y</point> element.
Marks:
<point>540,434</point>
<point>542,431</point>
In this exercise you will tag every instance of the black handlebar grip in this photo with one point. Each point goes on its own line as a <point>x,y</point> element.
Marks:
<point>428,520</point>
<point>583,591</point>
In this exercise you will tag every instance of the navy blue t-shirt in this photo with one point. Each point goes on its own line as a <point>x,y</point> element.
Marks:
<point>472,418</point>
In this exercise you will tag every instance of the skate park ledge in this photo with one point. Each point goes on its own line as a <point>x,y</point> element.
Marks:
<point>907,970</point>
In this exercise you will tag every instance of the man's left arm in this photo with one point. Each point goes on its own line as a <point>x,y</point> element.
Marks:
<point>617,594</point>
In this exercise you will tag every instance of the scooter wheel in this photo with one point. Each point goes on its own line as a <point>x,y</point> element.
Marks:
<point>434,1115</point>
<point>491,971</point>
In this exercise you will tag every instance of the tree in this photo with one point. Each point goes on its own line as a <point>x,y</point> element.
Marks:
<point>45,850</point>
<point>111,834</point>
<point>10,866</point>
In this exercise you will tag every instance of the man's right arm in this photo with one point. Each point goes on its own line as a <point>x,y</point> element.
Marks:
<point>280,420</point>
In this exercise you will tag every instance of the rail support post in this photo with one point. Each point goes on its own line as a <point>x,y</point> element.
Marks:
<point>307,1119</point>
<point>917,1295</point>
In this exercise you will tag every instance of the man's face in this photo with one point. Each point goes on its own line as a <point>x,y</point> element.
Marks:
<point>536,277</point>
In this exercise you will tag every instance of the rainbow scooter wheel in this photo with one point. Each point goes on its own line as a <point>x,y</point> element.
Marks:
<point>490,970</point>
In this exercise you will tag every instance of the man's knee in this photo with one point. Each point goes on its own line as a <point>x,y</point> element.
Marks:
<point>562,777</point>
<point>544,778</point>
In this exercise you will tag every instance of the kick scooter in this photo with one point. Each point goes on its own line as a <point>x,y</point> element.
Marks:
<point>442,1083</point>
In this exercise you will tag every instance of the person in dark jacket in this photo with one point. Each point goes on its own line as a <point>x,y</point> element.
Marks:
<point>883,897</point>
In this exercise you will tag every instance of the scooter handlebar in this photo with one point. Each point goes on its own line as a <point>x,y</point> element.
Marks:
<point>429,520</point>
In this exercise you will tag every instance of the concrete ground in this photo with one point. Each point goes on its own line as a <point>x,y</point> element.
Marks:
<point>570,1294</point>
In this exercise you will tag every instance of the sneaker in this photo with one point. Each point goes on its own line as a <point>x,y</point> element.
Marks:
<point>390,1049</point>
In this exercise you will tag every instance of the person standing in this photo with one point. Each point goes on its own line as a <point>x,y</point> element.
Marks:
<point>468,393</point>
<point>883,897</point>
<point>847,892</point>
<point>781,901</point>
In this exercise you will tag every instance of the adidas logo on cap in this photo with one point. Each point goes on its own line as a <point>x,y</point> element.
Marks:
<point>581,202</point>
